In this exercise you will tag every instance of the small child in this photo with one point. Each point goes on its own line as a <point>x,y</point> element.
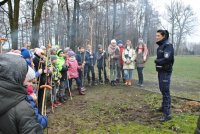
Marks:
<point>56,75</point>
<point>32,98</point>
<point>101,64</point>
<point>72,72</point>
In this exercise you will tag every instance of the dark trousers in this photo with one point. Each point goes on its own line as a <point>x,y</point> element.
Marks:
<point>41,92</point>
<point>87,71</point>
<point>78,82</point>
<point>80,75</point>
<point>100,69</point>
<point>164,85</point>
<point>140,75</point>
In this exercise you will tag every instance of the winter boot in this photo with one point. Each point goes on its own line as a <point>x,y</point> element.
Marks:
<point>126,83</point>
<point>81,91</point>
<point>129,82</point>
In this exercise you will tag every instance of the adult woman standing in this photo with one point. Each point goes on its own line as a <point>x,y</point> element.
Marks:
<point>141,52</point>
<point>128,57</point>
<point>164,63</point>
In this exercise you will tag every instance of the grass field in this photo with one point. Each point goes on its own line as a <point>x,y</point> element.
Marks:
<point>185,77</point>
<point>132,110</point>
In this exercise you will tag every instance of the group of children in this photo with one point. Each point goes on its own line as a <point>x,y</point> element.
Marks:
<point>58,68</point>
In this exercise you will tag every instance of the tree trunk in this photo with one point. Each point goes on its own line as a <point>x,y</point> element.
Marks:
<point>73,29</point>
<point>107,23</point>
<point>68,23</point>
<point>114,17</point>
<point>36,25</point>
<point>13,19</point>
<point>77,24</point>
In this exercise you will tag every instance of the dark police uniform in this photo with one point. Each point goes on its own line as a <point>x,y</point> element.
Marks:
<point>164,64</point>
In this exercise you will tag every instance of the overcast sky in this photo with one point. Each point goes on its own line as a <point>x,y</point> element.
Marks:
<point>160,6</point>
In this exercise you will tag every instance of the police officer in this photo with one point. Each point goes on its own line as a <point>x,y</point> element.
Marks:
<point>164,63</point>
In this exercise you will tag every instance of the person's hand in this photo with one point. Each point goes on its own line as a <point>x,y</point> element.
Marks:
<point>45,71</point>
<point>58,82</point>
<point>33,95</point>
<point>51,69</point>
<point>40,71</point>
<point>42,61</point>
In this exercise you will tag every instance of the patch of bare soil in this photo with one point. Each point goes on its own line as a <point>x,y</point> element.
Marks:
<point>104,105</point>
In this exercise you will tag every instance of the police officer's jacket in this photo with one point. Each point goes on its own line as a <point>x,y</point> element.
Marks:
<point>165,56</point>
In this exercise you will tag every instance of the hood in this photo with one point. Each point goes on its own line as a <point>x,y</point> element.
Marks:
<point>13,70</point>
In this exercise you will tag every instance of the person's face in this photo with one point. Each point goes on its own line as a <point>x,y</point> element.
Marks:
<point>100,49</point>
<point>82,49</point>
<point>89,48</point>
<point>61,54</point>
<point>54,52</point>
<point>159,37</point>
<point>128,43</point>
<point>28,47</point>
<point>113,43</point>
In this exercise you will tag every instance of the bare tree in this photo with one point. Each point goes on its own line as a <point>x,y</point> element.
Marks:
<point>13,16</point>
<point>182,21</point>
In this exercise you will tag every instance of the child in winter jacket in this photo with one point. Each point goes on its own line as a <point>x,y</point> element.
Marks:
<point>141,59</point>
<point>90,60</point>
<point>32,98</point>
<point>120,71</point>
<point>101,63</point>
<point>63,70</point>
<point>56,75</point>
<point>72,72</point>
<point>128,57</point>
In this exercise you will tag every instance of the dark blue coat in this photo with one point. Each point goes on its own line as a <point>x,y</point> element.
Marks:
<point>80,57</point>
<point>90,59</point>
<point>101,59</point>
<point>42,120</point>
<point>165,56</point>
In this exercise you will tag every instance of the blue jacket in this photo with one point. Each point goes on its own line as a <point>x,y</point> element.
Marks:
<point>101,59</point>
<point>165,56</point>
<point>42,120</point>
<point>90,59</point>
<point>80,58</point>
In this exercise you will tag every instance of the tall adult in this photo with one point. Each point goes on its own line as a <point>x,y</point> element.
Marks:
<point>16,114</point>
<point>128,57</point>
<point>141,52</point>
<point>164,64</point>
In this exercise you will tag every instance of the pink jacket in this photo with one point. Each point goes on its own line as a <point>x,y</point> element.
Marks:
<point>72,68</point>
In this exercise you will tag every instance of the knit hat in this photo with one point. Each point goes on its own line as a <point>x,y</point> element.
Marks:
<point>120,42</point>
<point>52,49</point>
<point>30,74</point>
<point>67,49</point>
<point>71,53</point>
<point>53,57</point>
<point>43,47</point>
<point>26,53</point>
<point>100,46</point>
<point>39,52</point>
<point>59,51</point>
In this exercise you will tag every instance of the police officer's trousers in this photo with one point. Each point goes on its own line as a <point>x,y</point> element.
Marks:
<point>164,85</point>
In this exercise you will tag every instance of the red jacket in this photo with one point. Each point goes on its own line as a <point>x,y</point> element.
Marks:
<point>120,57</point>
